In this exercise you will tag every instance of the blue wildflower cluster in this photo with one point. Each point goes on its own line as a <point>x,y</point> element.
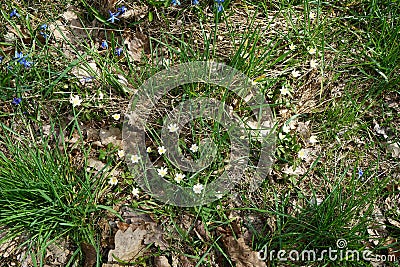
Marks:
<point>14,13</point>
<point>114,16</point>
<point>178,3</point>
<point>21,59</point>
<point>16,101</point>
<point>175,2</point>
<point>118,50</point>
<point>42,32</point>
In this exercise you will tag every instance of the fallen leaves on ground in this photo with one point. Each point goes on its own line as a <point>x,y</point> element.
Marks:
<point>132,238</point>
<point>111,135</point>
<point>240,253</point>
<point>137,44</point>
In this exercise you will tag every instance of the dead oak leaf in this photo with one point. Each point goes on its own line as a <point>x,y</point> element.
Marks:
<point>136,45</point>
<point>242,254</point>
<point>128,245</point>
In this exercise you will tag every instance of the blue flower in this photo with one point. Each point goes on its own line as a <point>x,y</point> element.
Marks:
<point>86,79</point>
<point>360,173</point>
<point>122,10</point>
<point>14,13</point>
<point>104,44</point>
<point>16,101</point>
<point>22,60</point>
<point>18,56</point>
<point>195,2</point>
<point>25,63</point>
<point>118,51</point>
<point>175,2</point>
<point>113,17</point>
<point>45,36</point>
<point>220,7</point>
<point>1,59</point>
<point>43,27</point>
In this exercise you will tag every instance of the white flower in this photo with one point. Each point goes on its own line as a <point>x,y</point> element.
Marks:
<point>101,96</point>
<point>75,100</point>
<point>162,171</point>
<point>113,181</point>
<point>313,139</point>
<point>286,128</point>
<point>292,47</point>
<point>135,192</point>
<point>161,150</point>
<point>312,50</point>
<point>149,150</point>
<point>173,128</point>
<point>312,15</point>
<point>179,177</point>
<point>303,154</point>
<point>285,91</point>
<point>135,158</point>
<point>313,63</point>
<point>116,116</point>
<point>194,148</point>
<point>121,153</point>
<point>219,195</point>
<point>296,74</point>
<point>281,136</point>
<point>198,188</point>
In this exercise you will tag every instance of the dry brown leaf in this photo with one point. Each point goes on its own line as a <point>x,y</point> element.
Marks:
<point>112,135</point>
<point>136,13</point>
<point>57,253</point>
<point>68,33</point>
<point>122,226</point>
<point>161,261</point>
<point>242,254</point>
<point>110,3</point>
<point>89,253</point>
<point>136,44</point>
<point>134,235</point>
<point>95,164</point>
<point>128,245</point>
<point>154,236</point>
